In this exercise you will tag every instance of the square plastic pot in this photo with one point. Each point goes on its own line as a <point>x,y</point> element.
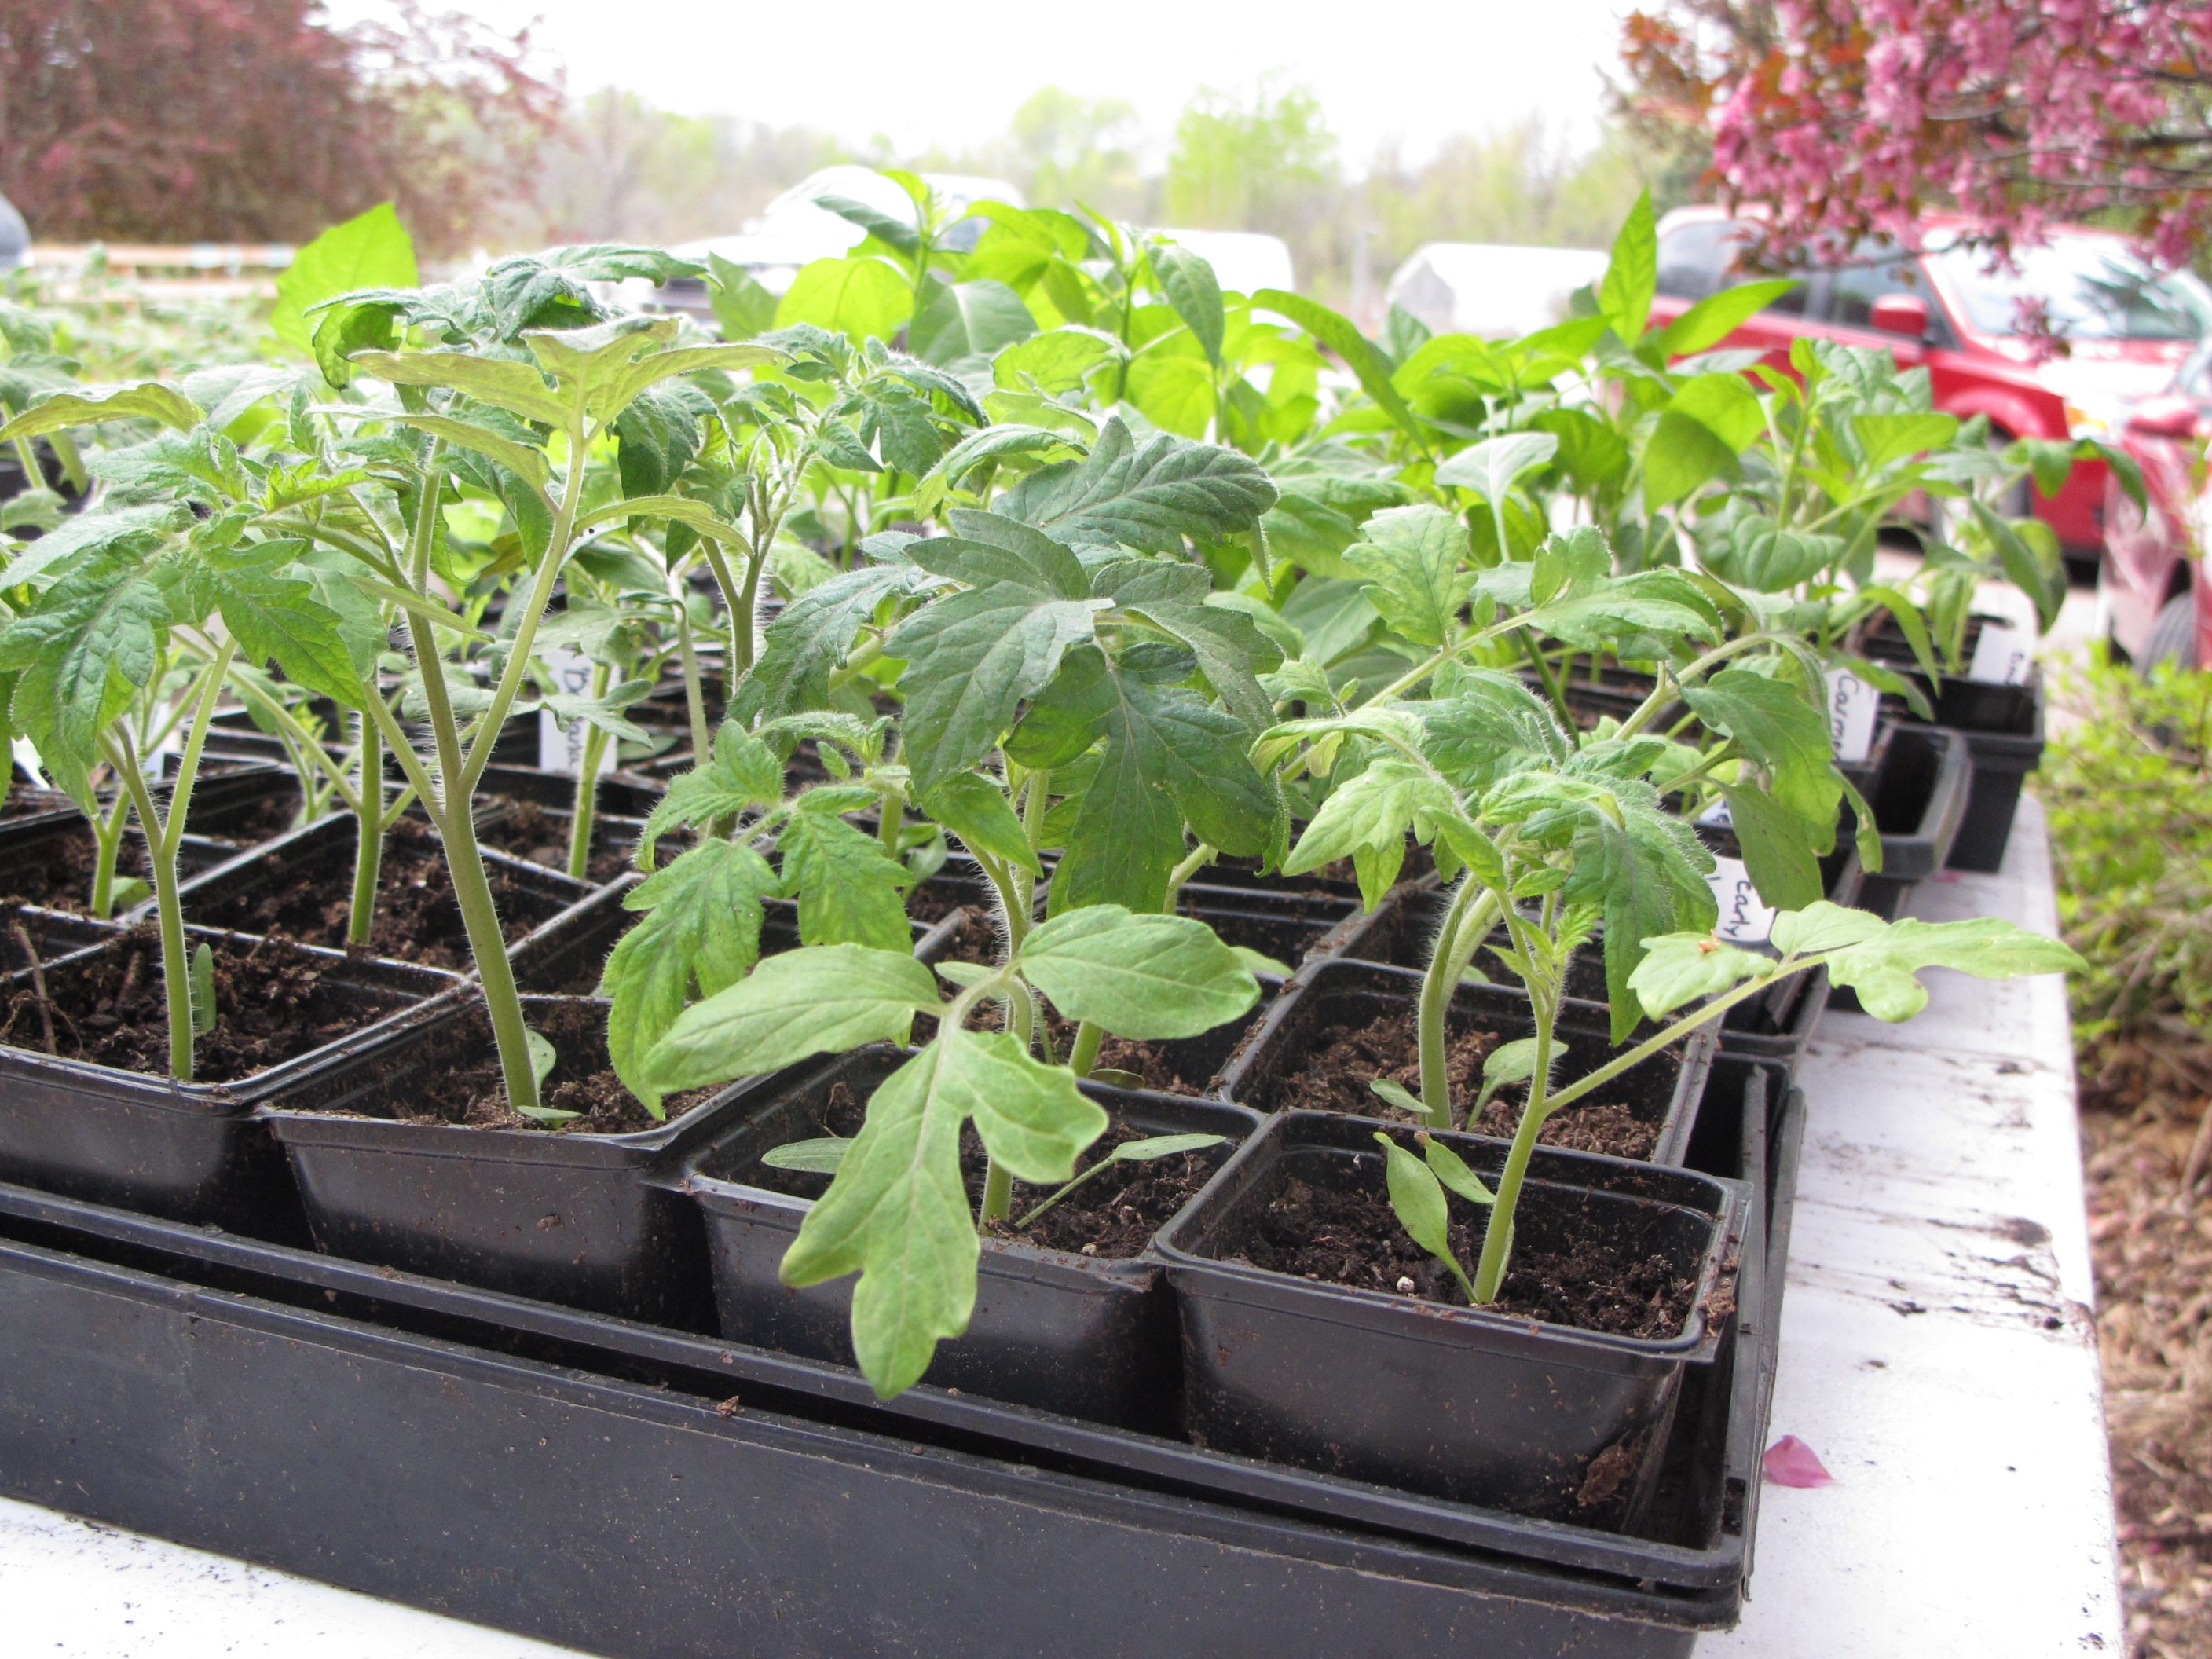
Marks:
<point>1919,808</point>
<point>2001,762</point>
<point>1059,1331</point>
<point>192,1151</point>
<point>1511,1413</point>
<point>1663,1090</point>
<point>323,852</point>
<point>591,1221</point>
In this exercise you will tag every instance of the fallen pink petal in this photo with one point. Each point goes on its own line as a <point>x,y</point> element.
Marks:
<point>1790,1462</point>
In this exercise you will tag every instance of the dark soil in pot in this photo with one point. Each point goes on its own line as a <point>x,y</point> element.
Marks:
<point>25,802</point>
<point>539,834</point>
<point>1331,1074</point>
<point>1181,1067</point>
<point>273,1003</point>
<point>461,1083</point>
<point>1337,880</point>
<point>1110,1217</point>
<point>1349,1235</point>
<point>417,919</point>
<point>1284,939</point>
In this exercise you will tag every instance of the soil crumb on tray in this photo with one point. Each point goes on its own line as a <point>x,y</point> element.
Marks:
<point>1341,1058</point>
<point>273,1003</point>
<point>1352,1238</point>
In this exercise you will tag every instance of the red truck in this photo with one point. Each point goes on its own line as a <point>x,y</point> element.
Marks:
<point>2127,326</point>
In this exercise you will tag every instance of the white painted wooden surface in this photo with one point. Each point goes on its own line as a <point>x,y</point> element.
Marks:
<point>1936,1352</point>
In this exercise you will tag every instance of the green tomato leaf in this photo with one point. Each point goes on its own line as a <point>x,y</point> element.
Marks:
<point>974,808</point>
<point>862,298</point>
<point>1148,977</point>
<point>1412,559</point>
<point>701,928</point>
<point>825,1155</point>
<point>744,773</point>
<point>820,999</point>
<point>371,250</point>
<point>1149,498</point>
<point>1192,289</point>
<point>149,400</point>
<point>849,887</point>
<point>1417,1198</point>
<point>1883,967</point>
<point>1683,968</point>
<point>1490,469</point>
<point>959,320</point>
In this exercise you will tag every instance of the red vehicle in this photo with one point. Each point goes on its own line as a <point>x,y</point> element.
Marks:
<point>2154,587</point>
<point>2128,326</point>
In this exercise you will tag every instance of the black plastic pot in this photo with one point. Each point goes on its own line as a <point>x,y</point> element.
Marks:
<point>587,1220</point>
<point>2001,762</point>
<point>229,896</point>
<point>1243,875</point>
<point>1662,1092</point>
<point>154,1373</point>
<point>1287,926</point>
<point>52,934</point>
<point>1089,1337</point>
<point>1476,1406</point>
<point>187,1150</point>
<point>1920,809</point>
<point>1967,705</point>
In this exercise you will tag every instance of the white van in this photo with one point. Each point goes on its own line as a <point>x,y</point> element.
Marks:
<point>1490,289</point>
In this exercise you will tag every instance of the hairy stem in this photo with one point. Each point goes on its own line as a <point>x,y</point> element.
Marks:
<point>1467,923</point>
<point>107,845</point>
<point>1082,1058</point>
<point>369,834</point>
<point>588,785</point>
<point>1497,1236</point>
<point>997,1193</point>
<point>695,699</point>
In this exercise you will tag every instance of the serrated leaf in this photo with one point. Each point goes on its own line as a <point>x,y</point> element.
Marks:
<point>1413,558</point>
<point>850,888</point>
<point>1149,498</point>
<point>972,658</point>
<point>744,773</point>
<point>149,400</point>
<point>525,463</point>
<point>1374,809</point>
<point>975,808</point>
<point>1785,733</point>
<point>822,998</point>
<point>897,1213</point>
<point>1631,275</point>
<point>501,382</point>
<point>81,655</point>
<point>1148,977</point>
<point>701,929</point>
<point>1490,469</point>
<point>1189,283</point>
<point>1678,968</point>
<point>812,636</point>
<point>371,250</point>
<point>1884,968</point>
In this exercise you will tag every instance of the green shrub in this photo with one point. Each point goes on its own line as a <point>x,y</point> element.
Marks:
<point>2128,784</point>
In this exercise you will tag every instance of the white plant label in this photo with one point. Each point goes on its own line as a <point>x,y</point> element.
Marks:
<point>1718,816</point>
<point>560,750</point>
<point>2001,655</point>
<point>1746,918</point>
<point>1852,706</point>
<point>30,762</point>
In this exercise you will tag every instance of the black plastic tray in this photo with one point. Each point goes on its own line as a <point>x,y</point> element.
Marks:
<point>1919,810</point>
<point>635,1490</point>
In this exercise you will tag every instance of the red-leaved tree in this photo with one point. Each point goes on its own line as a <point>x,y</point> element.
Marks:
<point>255,120</point>
<point>1844,119</point>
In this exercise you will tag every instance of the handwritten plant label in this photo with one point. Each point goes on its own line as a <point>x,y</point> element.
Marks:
<point>1852,706</point>
<point>1746,918</point>
<point>2001,655</point>
<point>560,750</point>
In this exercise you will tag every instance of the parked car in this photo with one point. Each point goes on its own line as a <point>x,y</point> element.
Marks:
<point>1490,289</point>
<point>2154,587</point>
<point>2128,325</point>
<point>795,229</point>
<point>14,236</point>
<point>1244,261</point>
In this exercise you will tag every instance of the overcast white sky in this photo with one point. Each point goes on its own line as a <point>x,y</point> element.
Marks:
<point>921,74</point>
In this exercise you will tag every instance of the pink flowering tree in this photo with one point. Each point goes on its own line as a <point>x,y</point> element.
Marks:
<point>1844,119</point>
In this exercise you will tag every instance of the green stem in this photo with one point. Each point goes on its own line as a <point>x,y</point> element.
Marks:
<point>176,968</point>
<point>1471,909</point>
<point>107,846</point>
<point>892,816</point>
<point>456,824</point>
<point>588,785</point>
<point>1551,688</point>
<point>694,701</point>
<point>1199,858</point>
<point>997,1193</point>
<point>1497,1236</point>
<point>1082,1058</point>
<point>1649,708</point>
<point>1674,1033</point>
<point>369,836</point>
<point>1098,1168</point>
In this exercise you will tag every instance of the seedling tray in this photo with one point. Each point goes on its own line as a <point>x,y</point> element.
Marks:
<point>637,1491</point>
